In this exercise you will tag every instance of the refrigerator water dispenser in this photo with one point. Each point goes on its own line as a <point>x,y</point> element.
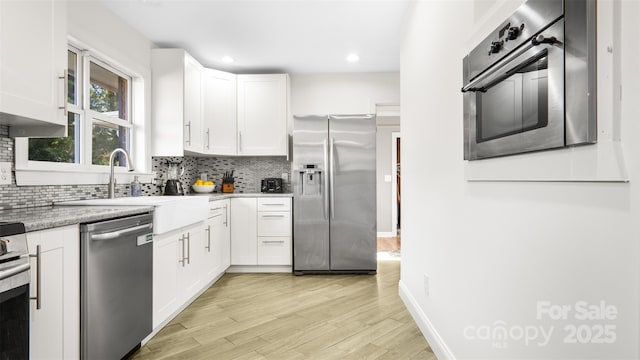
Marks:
<point>310,180</point>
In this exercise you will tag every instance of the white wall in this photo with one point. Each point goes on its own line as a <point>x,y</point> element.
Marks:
<point>354,93</point>
<point>350,93</point>
<point>493,250</point>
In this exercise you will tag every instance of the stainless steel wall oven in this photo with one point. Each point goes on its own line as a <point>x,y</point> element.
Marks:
<point>531,84</point>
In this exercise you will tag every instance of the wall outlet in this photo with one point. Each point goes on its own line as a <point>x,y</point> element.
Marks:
<point>387,178</point>
<point>5,173</point>
<point>285,176</point>
<point>426,285</point>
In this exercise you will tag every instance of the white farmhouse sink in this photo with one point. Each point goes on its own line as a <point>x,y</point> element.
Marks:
<point>170,212</point>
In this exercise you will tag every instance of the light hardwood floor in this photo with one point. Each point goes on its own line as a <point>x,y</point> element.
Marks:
<point>389,243</point>
<point>282,316</point>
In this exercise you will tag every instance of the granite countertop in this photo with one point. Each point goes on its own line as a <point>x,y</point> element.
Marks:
<point>222,196</point>
<point>46,217</point>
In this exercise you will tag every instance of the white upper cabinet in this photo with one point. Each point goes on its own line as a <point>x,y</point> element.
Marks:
<point>33,60</point>
<point>219,112</point>
<point>196,110</point>
<point>176,103</point>
<point>192,104</point>
<point>262,114</point>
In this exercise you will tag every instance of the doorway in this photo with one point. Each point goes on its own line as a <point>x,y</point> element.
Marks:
<point>389,246</point>
<point>395,183</point>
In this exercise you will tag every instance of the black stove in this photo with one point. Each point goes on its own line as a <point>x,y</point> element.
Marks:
<point>15,277</point>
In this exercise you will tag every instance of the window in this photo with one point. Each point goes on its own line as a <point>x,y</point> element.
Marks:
<point>99,98</point>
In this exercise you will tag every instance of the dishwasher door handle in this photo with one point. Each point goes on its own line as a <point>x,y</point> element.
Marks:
<point>120,233</point>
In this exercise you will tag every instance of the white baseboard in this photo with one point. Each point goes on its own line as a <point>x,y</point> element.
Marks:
<point>386,234</point>
<point>259,269</point>
<point>436,342</point>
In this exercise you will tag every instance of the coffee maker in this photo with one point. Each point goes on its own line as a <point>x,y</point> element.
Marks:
<point>173,186</point>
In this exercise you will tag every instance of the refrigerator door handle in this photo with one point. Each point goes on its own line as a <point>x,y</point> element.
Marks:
<point>324,188</point>
<point>331,180</point>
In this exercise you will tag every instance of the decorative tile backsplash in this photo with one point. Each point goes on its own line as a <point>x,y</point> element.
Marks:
<point>248,173</point>
<point>17,197</point>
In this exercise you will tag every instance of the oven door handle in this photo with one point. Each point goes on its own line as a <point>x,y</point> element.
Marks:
<point>474,85</point>
<point>14,270</point>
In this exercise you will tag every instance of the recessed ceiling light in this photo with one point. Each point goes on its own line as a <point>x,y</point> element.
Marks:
<point>353,57</point>
<point>227,59</point>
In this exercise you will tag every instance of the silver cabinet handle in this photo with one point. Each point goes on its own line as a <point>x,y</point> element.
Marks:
<point>332,179</point>
<point>65,92</point>
<point>188,141</point>
<point>280,204</point>
<point>117,234</point>
<point>182,239</point>
<point>272,241</point>
<point>208,139</point>
<point>325,169</point>
<point>38,297</point>
<point>188,248</point>
<point>226,216</point>
<point>240,141</point>
<point>272,216</point>
<point>208,230</point>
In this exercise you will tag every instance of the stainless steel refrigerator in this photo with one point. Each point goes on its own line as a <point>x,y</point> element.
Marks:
<point>334,187</point>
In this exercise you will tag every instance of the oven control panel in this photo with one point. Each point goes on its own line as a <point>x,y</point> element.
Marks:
<point>13,241</point>
<point>506,33</point>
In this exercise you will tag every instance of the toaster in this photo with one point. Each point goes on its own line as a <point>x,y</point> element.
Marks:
<point>271,185</point>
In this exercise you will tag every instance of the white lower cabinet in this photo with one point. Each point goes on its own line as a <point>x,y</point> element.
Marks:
<point>238,231</point>
<point>54,328</point>
<point>274,250</point>
<point>166,253</point>
<point>261,231</point>
<point>178,260</point>
<point>223,235</point>
<point>190,277</point>
<point>217,239</point>
<point>244,231</point>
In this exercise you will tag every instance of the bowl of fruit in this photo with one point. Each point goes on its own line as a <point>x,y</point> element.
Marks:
<point>201,186</point>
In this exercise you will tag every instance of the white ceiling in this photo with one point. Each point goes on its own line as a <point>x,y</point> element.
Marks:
<point>292,36</point>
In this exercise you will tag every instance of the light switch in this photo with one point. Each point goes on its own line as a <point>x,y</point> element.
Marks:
<point>387,178</point>
<point>5,173</point>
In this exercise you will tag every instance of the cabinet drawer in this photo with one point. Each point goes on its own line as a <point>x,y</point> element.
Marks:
<point>219,208</point>
<point>274,223</point>
<point>274,250</point>
<point>274,204</point>
<point>216,210</point>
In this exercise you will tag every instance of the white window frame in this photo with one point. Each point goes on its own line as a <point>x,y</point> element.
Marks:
<point>30,172</point>
<point>90,115</point>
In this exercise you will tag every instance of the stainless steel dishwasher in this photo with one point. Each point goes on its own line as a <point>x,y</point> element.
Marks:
<point>115,286</point>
